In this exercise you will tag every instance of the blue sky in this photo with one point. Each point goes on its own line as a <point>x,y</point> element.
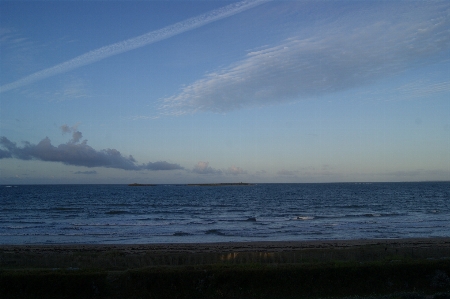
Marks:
<point>221,91</point>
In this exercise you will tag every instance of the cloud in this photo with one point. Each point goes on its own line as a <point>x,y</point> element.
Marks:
<point>204,168</point>
<point>287,173</point>
<point>136,42</point>
<point>76,135</point>
<point>235,170</point>
<point>420,88</point>
<point>5,154</point>
<point>86,172</point>
<point>17,51</point>
<point>338,55</point>
<point>66,129</point>
<point>160,165</point>
<point>77,153</point>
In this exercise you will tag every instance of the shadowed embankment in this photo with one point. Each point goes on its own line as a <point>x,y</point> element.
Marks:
<point>392,268</point>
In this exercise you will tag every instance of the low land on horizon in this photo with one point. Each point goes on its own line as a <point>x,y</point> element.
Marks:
<point>207,184</point>
<point>231,184</point>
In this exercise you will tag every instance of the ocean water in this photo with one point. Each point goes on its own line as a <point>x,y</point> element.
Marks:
<point>120,214</point>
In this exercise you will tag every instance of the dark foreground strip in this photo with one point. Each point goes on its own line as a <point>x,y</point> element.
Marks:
<point>408,279</point>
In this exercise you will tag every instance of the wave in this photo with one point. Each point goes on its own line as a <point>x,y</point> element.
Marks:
<point>374,215</point>
<point>181,234</point>
<point>361,215</point>
<point>21,227</point>
<point>352,206</point>
<point>248,219</point>
<point>25,222</point>
<point>121,204</point>
<point>62,209</point>
<point>204,222</point>
<point>117,212</point>
<point>95,224</point>
<point>215,232</point>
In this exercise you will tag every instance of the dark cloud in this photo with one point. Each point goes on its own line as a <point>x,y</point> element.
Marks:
<point>160,165</point>
<point>86,172</point>
<point>4,154</point>
<point>77,153</point>
<point>76,135</point>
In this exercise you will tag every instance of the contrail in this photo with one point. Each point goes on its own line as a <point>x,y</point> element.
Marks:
<point>136,42</point>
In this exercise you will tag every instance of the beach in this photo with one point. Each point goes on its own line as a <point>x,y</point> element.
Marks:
<point>232,252</point>
<point>228,270</point>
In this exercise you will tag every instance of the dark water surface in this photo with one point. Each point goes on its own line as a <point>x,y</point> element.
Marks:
<point>40,214</point>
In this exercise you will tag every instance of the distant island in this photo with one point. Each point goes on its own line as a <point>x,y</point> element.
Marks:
<point>222,184</point>
<point>209,184</point>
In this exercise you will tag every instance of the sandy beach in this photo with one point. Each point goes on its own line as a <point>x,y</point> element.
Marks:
<point>140,255</point>
<point>226,247</point>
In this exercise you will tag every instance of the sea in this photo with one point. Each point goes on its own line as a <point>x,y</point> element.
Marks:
<point>122,214</point>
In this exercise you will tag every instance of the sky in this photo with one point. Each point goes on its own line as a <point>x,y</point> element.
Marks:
<point>174,92</point>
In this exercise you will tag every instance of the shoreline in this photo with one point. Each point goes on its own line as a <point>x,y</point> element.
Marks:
<point>127,256</point>
<point>241,246</point>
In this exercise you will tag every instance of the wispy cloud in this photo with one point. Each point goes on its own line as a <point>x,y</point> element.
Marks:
<point>136,42</point>
<point>67,89</point>
<point>11,39</point>
<point>341,54</point>
<point>204,168</point>
<point>18,52</point>
<point>419,174</point>
<point>287,172</point>
<point>78,153</point>
<point>235,170</point>
<point>420,88</point>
